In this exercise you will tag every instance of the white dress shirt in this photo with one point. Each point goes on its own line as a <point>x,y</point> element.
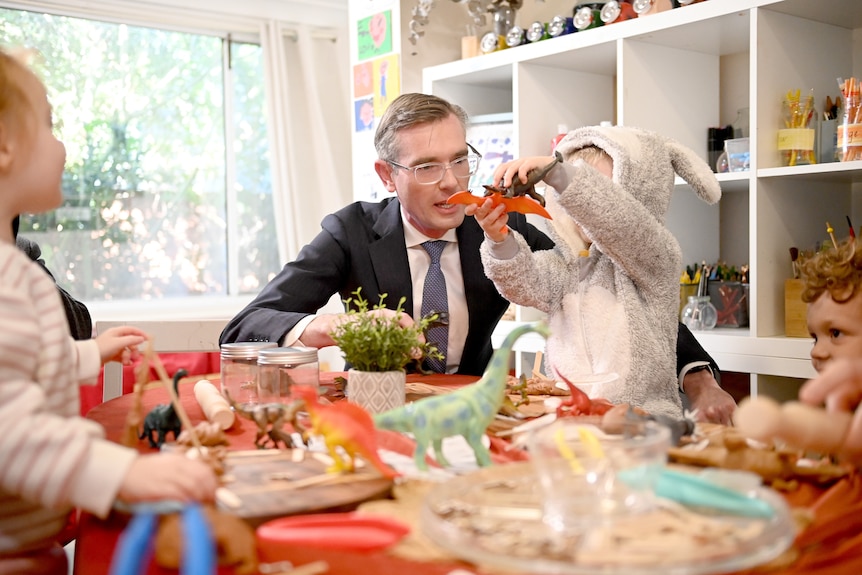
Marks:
<point>450,263</point>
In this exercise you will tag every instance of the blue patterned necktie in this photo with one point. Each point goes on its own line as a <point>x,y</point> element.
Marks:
<point>434,300</point>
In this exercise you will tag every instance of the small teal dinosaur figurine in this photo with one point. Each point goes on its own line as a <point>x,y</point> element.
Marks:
<point>467,412</point>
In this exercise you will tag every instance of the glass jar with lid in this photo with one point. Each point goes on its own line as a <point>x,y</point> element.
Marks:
<point>239,370</point>
<point>699,314</point>
<point>281,368</point>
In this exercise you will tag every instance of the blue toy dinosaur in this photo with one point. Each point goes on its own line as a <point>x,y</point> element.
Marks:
<point>466,412</point>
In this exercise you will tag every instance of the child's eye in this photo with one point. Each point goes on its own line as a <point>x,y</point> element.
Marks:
<point>834,333</point>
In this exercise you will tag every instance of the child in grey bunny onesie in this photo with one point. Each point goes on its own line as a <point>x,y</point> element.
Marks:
<point>610,286</point>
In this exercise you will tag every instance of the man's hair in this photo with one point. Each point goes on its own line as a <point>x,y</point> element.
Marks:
<point>410,110</point>
<point>838,271</point>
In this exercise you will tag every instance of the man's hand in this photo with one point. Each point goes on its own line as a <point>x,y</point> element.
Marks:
<point>713,404</point>
<point>318,332</point>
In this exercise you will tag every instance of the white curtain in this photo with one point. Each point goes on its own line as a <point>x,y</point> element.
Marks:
<point>309,124</point>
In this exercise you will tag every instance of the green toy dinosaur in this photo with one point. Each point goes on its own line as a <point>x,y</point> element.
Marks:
<point>466,412</point>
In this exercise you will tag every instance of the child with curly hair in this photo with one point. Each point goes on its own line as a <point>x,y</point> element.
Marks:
<point>833,290</point>
<point>52,460</point>
<point>832,282</point>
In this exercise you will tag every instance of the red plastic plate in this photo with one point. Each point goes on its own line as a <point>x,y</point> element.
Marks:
<point>349,531</point>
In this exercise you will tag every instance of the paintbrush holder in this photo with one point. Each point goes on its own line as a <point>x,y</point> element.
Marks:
<point>731,303</point>
<point>796,137</point>
<point>795,310</point>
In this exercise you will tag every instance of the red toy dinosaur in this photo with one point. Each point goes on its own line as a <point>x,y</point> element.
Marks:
<point>347,425</point>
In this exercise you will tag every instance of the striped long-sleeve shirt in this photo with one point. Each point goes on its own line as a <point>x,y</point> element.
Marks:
<point>50,458</point>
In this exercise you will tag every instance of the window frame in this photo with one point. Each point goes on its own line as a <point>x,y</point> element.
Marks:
<point>229,28</point>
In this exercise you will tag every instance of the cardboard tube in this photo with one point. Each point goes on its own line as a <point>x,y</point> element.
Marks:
<point>213,404</point>
<point>797,424</point>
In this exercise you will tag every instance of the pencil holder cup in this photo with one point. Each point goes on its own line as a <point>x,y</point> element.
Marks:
<point>731,303</point>
<point>848,145</point>
<point>795,310</point>
<point>738,154</point>
<point>796,137</point>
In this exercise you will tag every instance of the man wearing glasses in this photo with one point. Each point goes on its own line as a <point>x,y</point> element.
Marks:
<point>423,158</point>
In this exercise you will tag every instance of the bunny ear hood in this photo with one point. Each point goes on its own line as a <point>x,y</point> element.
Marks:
<point>645,164</point>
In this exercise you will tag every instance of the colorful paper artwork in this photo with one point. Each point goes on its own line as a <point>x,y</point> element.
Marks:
<point>494,141</point>
<point>374,35</point>
<point>364,113</point>
<point>387,82</point>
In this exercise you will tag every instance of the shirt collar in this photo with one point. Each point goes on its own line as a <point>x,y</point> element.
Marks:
<point>413,237</point>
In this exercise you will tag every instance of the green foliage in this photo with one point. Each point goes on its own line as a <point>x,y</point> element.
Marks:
<point>142,115</point>
<point>375,342</point>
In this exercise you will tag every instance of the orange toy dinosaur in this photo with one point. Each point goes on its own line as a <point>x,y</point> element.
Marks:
<point>347,425</point>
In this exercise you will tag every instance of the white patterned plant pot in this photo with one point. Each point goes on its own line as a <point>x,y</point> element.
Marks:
<point>376,391</point>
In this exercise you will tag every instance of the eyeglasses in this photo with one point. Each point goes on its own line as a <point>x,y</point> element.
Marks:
<point>432,172</point>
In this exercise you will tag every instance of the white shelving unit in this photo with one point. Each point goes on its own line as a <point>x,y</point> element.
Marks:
<point>678,73</point>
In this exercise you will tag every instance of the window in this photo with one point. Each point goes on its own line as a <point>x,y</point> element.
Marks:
<point>167,188</point>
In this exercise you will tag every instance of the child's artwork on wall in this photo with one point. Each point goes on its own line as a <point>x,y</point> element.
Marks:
<point>492,136</point>
<point>387,82</point>
<point>363,109</point>
<point>363,81</point>
<point>374,35</point>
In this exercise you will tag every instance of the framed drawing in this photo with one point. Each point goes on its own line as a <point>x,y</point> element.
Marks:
<point>493,136</point>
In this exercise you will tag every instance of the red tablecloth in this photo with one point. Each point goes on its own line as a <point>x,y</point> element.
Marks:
<point>96,539</point>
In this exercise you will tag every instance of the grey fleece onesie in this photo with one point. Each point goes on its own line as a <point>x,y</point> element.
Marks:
<point>615,310</point>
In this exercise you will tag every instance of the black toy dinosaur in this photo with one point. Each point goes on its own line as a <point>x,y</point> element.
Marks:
<point>527,188</point>
<point>162,418</point>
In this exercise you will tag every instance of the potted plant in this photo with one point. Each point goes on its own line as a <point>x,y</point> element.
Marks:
<point>378,349</point>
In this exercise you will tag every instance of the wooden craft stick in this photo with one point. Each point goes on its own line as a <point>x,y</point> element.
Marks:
<point>178,407</point>
<point>537,363</point>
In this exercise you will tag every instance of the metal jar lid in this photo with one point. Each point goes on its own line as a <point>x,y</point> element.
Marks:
<point>536,31</point>
<point>287,356</point>
<point>490,43</point>
<point>244,349</point>
<point>516,36</point>
<point>610,11</point>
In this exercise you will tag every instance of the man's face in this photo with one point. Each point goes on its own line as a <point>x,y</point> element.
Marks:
<point>425,204</point>
<point>836,329</point>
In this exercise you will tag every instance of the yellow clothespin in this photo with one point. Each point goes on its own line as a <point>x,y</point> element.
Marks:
<point>566,452</point>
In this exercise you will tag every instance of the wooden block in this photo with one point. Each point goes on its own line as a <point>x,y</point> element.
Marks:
<point>795,310</point>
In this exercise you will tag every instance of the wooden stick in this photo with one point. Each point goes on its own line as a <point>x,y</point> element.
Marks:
<point>537,363</point>
<point>178,408</point>
<point>829,231</point>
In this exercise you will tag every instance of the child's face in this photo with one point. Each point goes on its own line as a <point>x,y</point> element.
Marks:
<point>38,160</point>
<point>836,329</point>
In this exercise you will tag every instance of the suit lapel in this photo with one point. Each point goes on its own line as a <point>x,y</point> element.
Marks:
<point>389,258</point>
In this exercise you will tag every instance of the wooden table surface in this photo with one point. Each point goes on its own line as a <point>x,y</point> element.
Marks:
<point>97,538</point>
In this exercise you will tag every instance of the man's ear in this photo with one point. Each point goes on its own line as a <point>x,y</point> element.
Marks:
<point>384,171</point>
<point>7,147</point>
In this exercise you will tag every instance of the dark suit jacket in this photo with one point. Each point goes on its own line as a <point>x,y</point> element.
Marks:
<point>362,245</point>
